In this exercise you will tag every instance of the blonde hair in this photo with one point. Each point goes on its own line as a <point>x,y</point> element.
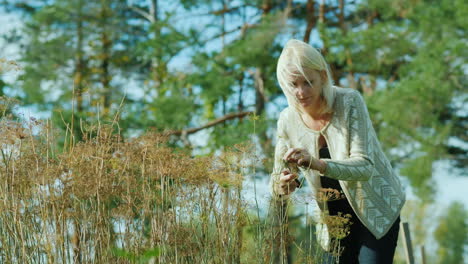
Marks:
<point>296,56</point>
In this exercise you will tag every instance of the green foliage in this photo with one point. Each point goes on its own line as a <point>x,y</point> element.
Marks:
<point>452,235</point>
<point>216,78</point>
<point>72,50</point>
<point>232,133</point>
<point>144,257</point>
<point>421,63</point>
<point>420,171</point>
<point>181,108</point>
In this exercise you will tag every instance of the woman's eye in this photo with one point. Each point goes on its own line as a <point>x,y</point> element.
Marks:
<point>294,84</point>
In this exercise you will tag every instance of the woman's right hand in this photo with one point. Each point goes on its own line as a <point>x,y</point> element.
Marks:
<point>287,183</point>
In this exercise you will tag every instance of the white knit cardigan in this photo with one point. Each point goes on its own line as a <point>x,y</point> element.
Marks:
<point>357,161</point>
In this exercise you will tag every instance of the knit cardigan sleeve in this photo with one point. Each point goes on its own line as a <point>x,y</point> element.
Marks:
<point>359,166</point>
<point>280,149</point>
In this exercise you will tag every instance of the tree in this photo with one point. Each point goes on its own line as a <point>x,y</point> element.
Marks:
<point>418,112</point>
<point>391,51</point>
<point>72,50</point>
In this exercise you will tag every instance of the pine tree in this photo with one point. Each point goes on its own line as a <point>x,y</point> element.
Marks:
<point>72,50</point>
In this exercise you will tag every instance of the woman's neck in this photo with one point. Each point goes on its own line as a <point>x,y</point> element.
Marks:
<point>316,111</point>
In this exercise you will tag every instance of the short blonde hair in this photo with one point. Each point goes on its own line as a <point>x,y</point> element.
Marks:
<point>296,56</point>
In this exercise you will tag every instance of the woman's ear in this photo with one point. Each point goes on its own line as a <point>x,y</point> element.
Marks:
<point>323,76</point>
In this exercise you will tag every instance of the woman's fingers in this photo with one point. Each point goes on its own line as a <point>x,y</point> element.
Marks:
<point>287,178</point>
<point>288,187</point>
<point>290,153</point>
<point>303,162</point>
<point>295,154</point>
<point>287,183</point>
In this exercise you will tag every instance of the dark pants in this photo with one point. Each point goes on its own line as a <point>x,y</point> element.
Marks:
<point>361,246</point>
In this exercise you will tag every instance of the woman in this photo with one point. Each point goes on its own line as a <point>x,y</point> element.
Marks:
<point>326,131</point>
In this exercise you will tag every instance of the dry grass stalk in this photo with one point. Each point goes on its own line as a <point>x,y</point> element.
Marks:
<point>86,202</point>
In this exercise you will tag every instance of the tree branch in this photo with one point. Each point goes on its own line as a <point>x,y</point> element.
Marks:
<point>209,124</point>
<point>143,13</point>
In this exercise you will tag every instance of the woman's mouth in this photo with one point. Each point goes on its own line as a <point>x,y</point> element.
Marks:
<point>304,99</point>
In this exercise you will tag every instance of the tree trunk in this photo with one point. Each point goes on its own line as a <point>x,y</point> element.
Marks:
<point>260,96</point>
<point>311,19</point>
<point>79,63</point>
<point>106,43</point>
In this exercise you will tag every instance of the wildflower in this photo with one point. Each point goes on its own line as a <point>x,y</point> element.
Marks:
<point>329,195</point>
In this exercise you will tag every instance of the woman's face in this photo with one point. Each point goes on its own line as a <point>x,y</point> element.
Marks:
<point>308,95</point>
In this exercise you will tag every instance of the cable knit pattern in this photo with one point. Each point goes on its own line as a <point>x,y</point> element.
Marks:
<point>357,160</point>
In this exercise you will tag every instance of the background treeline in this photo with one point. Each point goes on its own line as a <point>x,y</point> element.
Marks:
<point>197,69</point>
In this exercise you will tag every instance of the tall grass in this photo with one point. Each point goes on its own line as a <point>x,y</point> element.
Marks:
<point>109,200</point>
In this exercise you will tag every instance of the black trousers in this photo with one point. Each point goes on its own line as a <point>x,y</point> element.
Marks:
<point>361,246</point>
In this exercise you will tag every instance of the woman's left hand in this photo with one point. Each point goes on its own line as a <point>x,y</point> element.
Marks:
<point>303,158</point>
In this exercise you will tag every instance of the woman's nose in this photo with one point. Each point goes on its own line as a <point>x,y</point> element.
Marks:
<point>300,91</point>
